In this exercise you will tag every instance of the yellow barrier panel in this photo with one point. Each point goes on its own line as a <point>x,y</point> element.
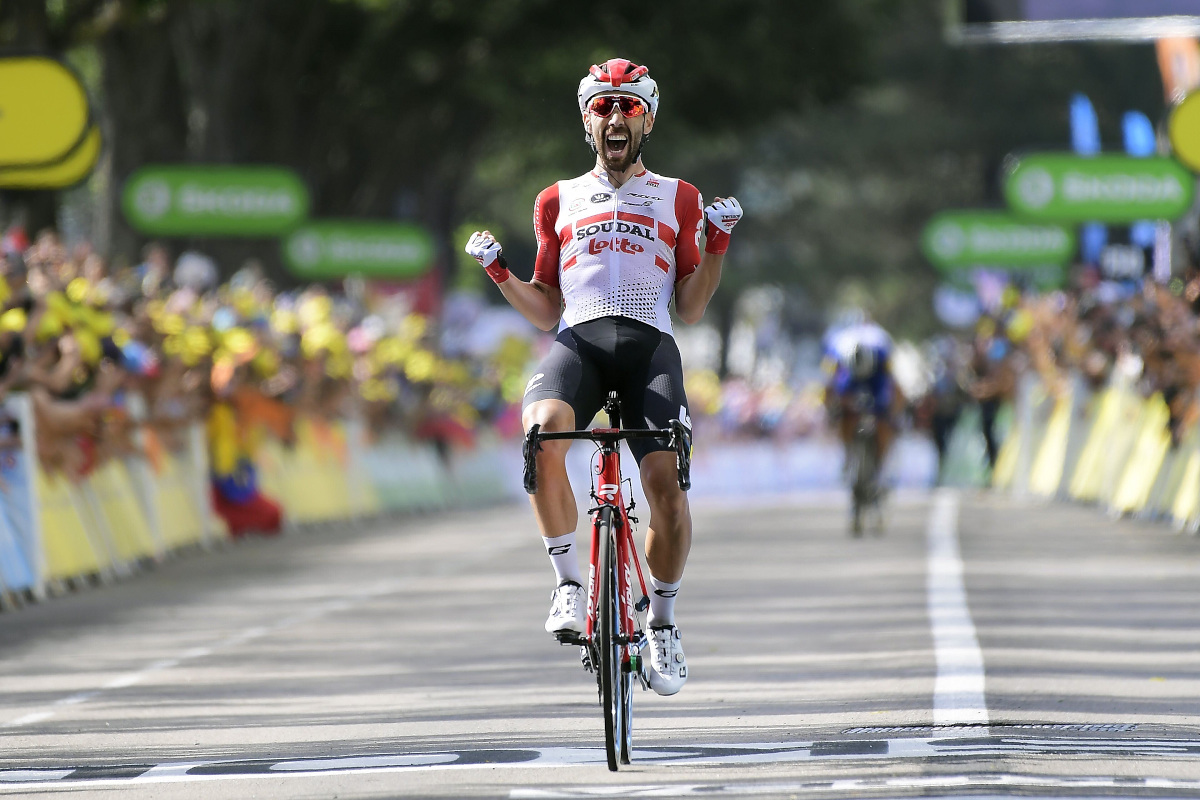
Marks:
<point>118,506</point>
<point>179,520</point>
<point>1085,479</point>
<point>1130,420</point>
<point>334,463</point>
<point>1006,459</point>
<point>68,549</point>
<point>1118,413</point>
<point>1170,478</point>
<point>1048,464</point>
<point>1185,507</point>
<point>305,491</point>
<point>270,462</point>
<point>1131,491</point>
<point>316,488</point>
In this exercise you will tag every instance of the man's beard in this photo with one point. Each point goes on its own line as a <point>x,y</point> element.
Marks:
<point>628,156</point>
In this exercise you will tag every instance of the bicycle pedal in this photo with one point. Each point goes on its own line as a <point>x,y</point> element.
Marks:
<point>570,638</point>
<point>586,659</point>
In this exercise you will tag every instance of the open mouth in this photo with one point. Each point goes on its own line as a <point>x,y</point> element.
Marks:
<point>616,145</point>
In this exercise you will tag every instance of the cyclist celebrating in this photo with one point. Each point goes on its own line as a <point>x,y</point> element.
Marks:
<point>615,245</point>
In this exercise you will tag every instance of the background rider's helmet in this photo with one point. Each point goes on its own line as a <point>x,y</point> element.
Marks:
<point>619,75</point>
<point>862,361</point>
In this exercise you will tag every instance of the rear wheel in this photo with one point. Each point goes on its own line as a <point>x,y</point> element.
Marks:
<point>610,674</point>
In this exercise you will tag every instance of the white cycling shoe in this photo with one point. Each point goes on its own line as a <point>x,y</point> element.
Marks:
<point>568,609</point>
<point>668,665</point>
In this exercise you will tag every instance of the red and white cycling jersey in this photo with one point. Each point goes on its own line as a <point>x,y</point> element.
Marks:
<point>617,252</point>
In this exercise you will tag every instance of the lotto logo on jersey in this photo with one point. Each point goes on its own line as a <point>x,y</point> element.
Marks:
<point>611,227</point>
<point>597,246</point>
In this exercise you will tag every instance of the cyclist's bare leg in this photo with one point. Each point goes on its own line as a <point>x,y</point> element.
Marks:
<point>553,503</point>
<point>669,534</point>
<point>668,540</point>
<point>847,425</point>
<point>886,435</point>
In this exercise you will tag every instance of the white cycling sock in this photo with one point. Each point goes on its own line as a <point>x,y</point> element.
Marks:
<point>662,602</point>
<point>561,550</point>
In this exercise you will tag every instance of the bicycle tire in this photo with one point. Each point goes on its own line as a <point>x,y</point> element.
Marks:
<point>608,669</point>
<point>627,677</point>
<point>866,479</point>
<point>854,476</point>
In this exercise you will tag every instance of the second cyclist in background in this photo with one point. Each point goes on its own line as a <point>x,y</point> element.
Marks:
<point>863,402</point>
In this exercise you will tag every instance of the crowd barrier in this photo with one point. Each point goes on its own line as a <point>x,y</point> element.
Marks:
<point>131,512</point>
<point>1111,448</point>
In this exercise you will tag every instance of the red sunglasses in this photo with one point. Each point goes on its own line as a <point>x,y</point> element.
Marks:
<point>603,106</point>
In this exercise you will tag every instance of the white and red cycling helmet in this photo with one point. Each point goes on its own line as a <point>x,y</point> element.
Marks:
<point>619,75</point>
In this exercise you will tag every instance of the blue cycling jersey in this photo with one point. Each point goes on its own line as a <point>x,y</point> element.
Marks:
<point>878,385</point>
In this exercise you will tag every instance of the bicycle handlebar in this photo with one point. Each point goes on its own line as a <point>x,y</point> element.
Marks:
<point>677,435</point>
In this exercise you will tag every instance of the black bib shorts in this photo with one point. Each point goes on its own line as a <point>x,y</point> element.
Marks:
<point>637,361</point>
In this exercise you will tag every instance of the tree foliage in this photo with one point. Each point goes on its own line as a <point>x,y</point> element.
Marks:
<point>392,107</point>
<point>842,125</point>
<point>836,198</point>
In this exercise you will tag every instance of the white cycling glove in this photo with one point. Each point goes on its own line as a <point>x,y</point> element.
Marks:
<point>720,217</point>
<point>484,248</point>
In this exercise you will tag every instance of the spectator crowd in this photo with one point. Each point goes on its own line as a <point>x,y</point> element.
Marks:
<point>125,361</point>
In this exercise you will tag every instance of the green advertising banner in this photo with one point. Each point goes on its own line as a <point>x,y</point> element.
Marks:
<point>956,239</point>
<point>1057,187</point>
<point>337,248</point>
<point>197,200</point>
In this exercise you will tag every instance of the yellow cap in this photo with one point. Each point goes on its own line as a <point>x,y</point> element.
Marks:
<point>314,310</point>
<point>50,326</point>
<point>89,345</point>
<point>283,321</point>
<point>240,342</point>
<point>266,363</point>
<point>78,289</point>
<point>420,365</point>
<point>14,320</point>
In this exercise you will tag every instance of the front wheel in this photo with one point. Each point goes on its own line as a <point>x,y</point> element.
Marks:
<point>614,697</point>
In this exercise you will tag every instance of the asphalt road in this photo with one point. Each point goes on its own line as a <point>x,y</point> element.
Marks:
<point>979,647</point>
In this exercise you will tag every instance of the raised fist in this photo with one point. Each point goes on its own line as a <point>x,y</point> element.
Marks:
<point>721,216</point>
<point>724,213</point>
<point>484,248</point>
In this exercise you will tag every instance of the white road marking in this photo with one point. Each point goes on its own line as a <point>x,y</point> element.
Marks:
<point>364,762</point>
<point>958,696</point>
<point>76,699</point>
<point>859,786</point>
<point>125,681</point>
<point>29,719</point>
<point>14,775</point>
<point>928,750</point>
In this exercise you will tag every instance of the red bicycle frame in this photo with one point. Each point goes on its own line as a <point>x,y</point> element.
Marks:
<point>608,494</point>
<point>612,659</point>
